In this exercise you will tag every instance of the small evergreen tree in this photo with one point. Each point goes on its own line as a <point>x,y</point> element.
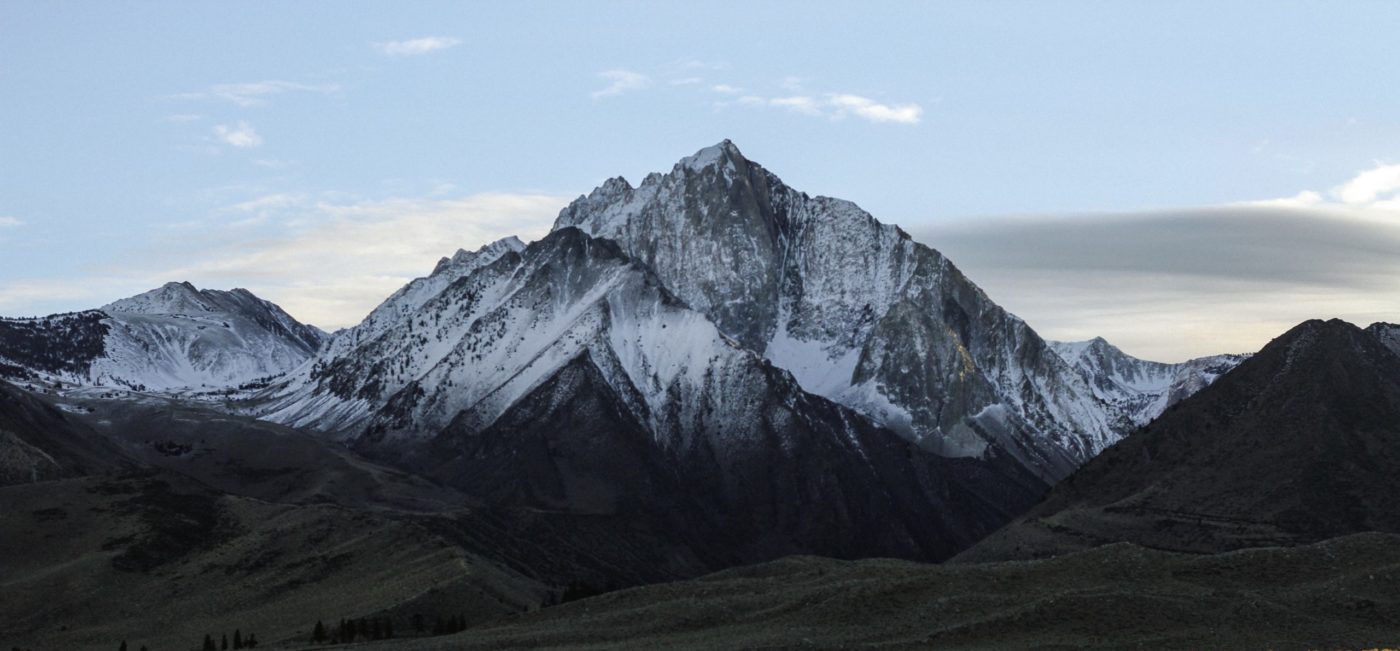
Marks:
<point>122,647</point>
<point>388,628</point>
<point>209,643</point>
<point>237,639</point>
<point>319,634</point>
<point>225,646</point>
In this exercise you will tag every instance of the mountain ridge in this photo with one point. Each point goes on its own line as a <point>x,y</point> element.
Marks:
<point>174,337</point>
<point>1283,450</point>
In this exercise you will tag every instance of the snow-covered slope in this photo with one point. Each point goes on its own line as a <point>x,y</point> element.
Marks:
<point>489,337</point>
<point>172,337</point>
<point>1139,389</point>
<point>855,309</point>
<point>410,297</point>
<point>565,376</point>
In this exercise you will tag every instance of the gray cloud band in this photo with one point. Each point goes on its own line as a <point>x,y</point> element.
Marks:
<point>1249,271</point>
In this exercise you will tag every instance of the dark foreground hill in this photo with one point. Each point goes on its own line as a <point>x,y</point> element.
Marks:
<point>1343,593</point>
<point>1298,444</point>
<point>39,441</point>
<point>156,521</point>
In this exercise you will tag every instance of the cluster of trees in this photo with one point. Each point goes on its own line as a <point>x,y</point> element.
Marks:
<point>120,648</point>
<point>382,628</point>
<point>450,625</point>
<point>348,630</point>
<point>65,343</point>
<point>239,641</point>
<point>172,448</point>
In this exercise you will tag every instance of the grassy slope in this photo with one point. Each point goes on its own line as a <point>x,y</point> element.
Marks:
<point>1343,593</point>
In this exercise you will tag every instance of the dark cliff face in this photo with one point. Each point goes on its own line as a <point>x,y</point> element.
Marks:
<point>1295,445</point>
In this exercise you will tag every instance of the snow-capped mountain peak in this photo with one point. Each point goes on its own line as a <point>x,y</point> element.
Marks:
<point>170,298</point>
<point>723,153</point>
<point>174,336</point>
<point>463,261</point>
<point>855,309</point>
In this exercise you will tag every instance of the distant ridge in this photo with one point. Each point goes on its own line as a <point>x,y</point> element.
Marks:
<point>173,337</point>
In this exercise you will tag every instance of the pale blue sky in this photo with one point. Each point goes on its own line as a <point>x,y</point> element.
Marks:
<point>279,145</point>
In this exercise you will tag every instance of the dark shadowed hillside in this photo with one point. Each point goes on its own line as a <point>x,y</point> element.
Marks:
<point>1298,444</point>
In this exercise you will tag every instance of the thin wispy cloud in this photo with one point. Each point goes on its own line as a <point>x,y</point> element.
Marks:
<point>18,292</point>
<point>256,93</point>
<point>7,221</point>
<point>330,262</point>
<point>240,135</point>
<point>869,109</point>
<point>326,261</point>
<point>837,106</point>
<point>619,82</point>
<point>415,46</point>
<point>1377,188</point>
<point>182,118</point>
<point>726,89</point>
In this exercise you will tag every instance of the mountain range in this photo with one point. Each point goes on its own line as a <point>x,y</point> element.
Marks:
<point>729,354</point>
<point>709,369</point>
